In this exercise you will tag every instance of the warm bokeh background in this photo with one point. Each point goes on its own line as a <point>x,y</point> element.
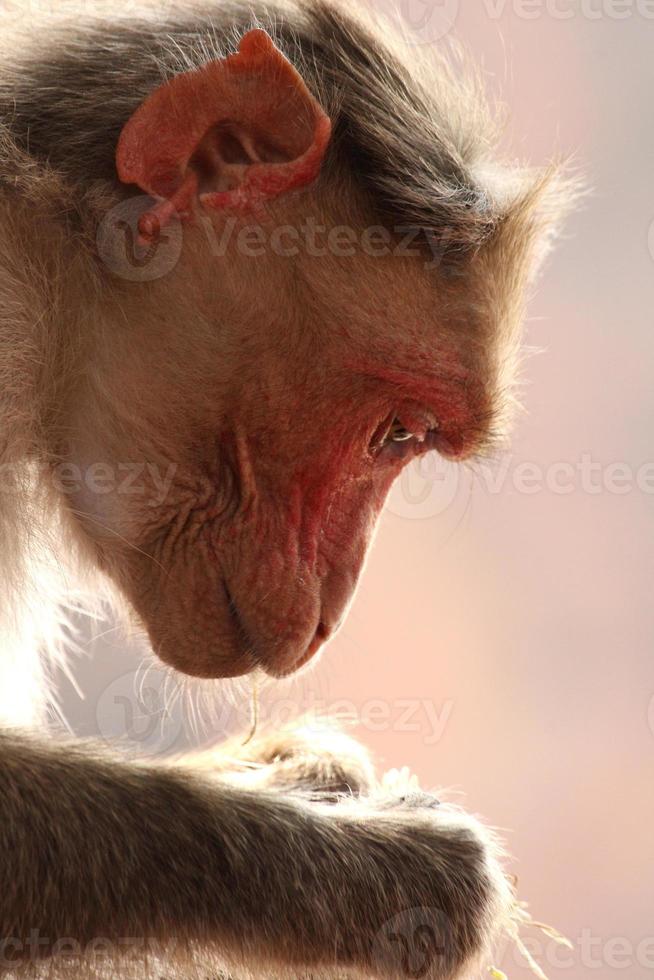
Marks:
<point>502,640</point>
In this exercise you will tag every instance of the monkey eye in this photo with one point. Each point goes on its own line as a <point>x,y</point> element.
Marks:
<point>398,433</point>
<point>395,435</point>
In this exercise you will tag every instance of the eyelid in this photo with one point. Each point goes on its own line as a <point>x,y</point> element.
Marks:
<point>417,420</point>
<point>398,432</point>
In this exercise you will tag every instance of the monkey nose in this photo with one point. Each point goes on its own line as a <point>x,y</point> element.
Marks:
<point>291,661</point>
<point>322,634</point>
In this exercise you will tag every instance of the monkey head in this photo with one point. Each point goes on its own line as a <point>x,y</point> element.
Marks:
<point>260,398</point>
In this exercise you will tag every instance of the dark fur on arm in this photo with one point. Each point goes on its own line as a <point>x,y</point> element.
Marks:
<point>95,847</point>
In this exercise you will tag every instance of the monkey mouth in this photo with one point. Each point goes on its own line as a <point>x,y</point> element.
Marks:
<point>237,622</point>
<point>283,661</point>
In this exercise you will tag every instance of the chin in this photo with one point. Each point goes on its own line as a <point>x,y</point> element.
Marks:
<point>223,649</point>
<point>203,660</point>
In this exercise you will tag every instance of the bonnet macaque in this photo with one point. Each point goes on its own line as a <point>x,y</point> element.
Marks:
<point>253,260</point>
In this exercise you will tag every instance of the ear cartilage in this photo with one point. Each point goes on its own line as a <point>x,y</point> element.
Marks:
<point>163,146</point>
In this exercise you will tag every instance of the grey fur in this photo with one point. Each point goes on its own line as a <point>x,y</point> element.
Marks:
<point>246,875</point>
<point>66,103</point>
<point>269,876</point>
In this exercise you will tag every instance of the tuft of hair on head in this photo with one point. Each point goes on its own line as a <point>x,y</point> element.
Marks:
<point>412,128</point>
<point>530,206</point>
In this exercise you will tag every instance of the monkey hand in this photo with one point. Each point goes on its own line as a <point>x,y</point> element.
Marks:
<point>413,887</point>
<point>436,896</point>
<point>263,879</point>
<point>313,757</point>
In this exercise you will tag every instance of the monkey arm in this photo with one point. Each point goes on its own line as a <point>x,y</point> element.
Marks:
<point>96,847</point>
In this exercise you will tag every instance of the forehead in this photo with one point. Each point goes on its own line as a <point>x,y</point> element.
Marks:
<point>397,298</point>
<point>448,338</point>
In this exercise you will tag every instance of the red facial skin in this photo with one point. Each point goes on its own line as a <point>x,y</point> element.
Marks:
<point>253,556</point>
<point>455,398</point>
<point>281,462</point>
<point>311,481</point>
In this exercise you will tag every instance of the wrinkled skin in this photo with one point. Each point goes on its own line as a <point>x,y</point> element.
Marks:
<point>267,385</point>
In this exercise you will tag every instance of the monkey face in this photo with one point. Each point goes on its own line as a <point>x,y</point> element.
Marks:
<point>249,410</point>
<point>253,415</point>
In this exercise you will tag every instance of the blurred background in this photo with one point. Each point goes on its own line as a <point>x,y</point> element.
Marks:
<point>501,643</point>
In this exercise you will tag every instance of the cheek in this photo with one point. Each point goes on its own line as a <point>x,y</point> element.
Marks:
<point>341,531</point>
<point>137,503</point>
<point>97,504</point>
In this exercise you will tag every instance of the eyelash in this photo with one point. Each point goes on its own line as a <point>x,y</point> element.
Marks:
<point>398,433</point>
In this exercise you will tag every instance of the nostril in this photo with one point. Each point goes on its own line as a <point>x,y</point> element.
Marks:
<point>319,637</point>
<point>322,633</point>
<point>287,662</point>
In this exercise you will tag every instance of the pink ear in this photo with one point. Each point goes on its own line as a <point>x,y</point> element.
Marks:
<point>233,134</point>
